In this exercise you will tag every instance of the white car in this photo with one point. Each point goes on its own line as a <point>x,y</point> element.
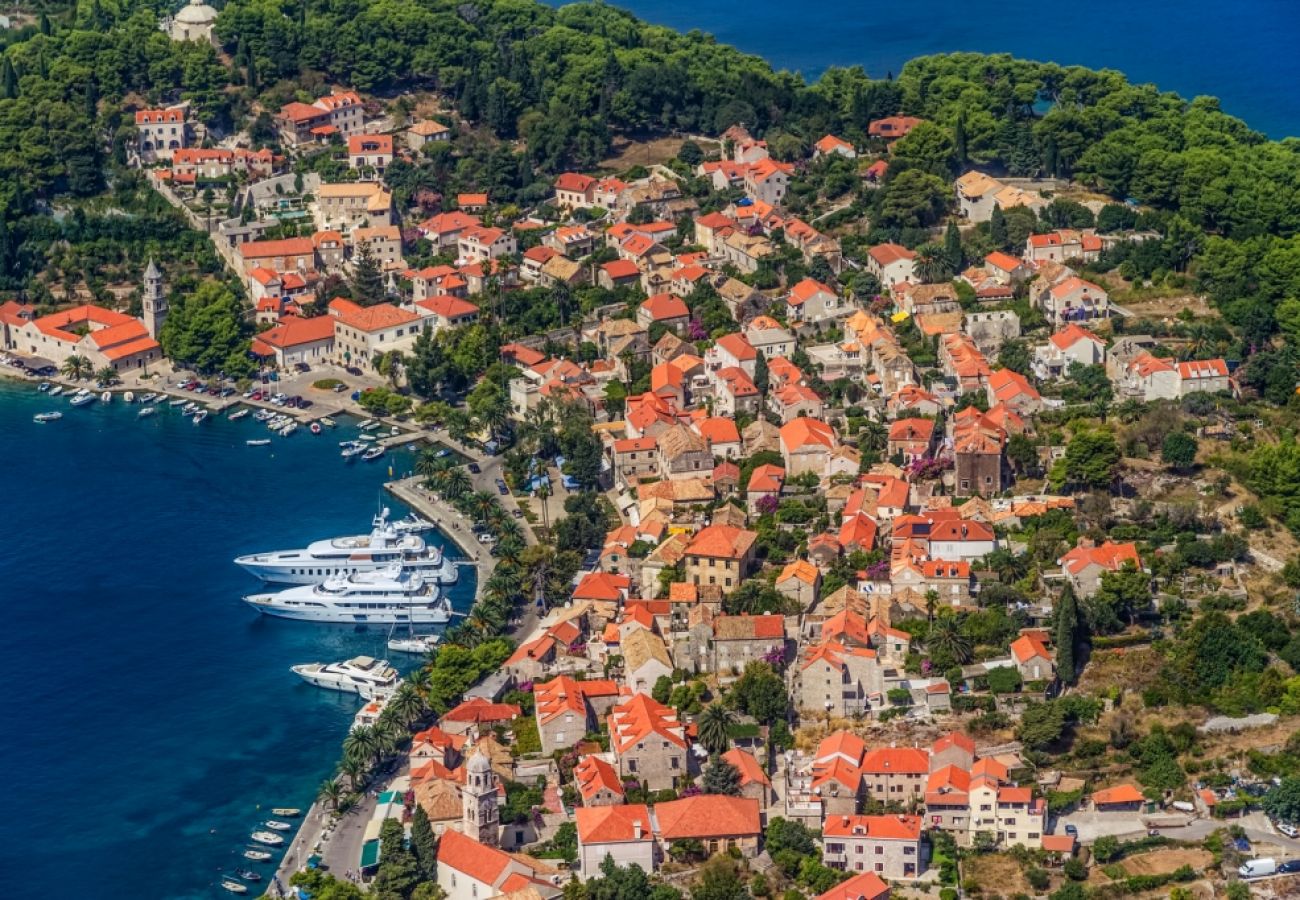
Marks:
<point>1287,828</point>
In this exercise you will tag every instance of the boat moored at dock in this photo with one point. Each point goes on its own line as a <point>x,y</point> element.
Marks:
<point>362,675</point>
<point>385,597</point>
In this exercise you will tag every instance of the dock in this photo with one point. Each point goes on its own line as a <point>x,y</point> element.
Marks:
<point>450,522</point>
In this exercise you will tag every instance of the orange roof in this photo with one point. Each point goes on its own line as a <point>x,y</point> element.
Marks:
<point>867,886</point>
<point>294,332</point>
<point>846,624</point>
<point>370,318</point>
<point>885,828</point>
<point>1028,646</point>
<point>988,767</point>
<point>858,530</point>
<point>913,430</point>
<point>614,824</point>
<point>621,268</point>
<point>284,247</point>
<point>805,290</point>
<point>480,862</point>
<point>738,347</point>
<point>737,381</point>
<point>888,760</point>
<point>537,649</point>
<point>159,116</point>
<point>593,775</point>
<point>601,586</point>
<point>447,306</point>
<point>948,785</point>
<point>448,222</point>
<point>748,767</point>
<point>1120,793</point>
<point>717,430</point>
<point>1071,334</point>
<point>1109,555</point>
<point>747,627</point>
<point>479,710</point>
<point>1007,384</point>
<point>806,431</point>
<point>471,199</point>
<point>301,112</point>
<point>884,254</point>
<point>844,744</point>
<point>707,816</point>
<point>1058,843</point>
<point>721,542</point>
<point>831,143</point>
<point>683,592</point>
<point>1003,261</point>
<point>359,144</point>
<point>767,478</point>
<point>574,181</point>
<point>631,445</point>
<point>640,717</point>
<point>141,344</point>
<point>665,306</point>
<point>892,126</point>
<point>1203,368</point>
<point>56,324</point>
<point>800,569</point>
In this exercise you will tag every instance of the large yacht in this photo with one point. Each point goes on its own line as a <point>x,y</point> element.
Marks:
<point>392,596</point>
<point>383,547</point>
<point>362,675</point>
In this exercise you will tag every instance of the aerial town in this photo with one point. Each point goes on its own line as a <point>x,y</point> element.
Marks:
<point>850,522</point>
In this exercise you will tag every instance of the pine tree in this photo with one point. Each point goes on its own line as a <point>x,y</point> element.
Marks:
<point>952,246</point>
<point>721,777</point>
<point>1067,628</point>
<point>367,280</point>
<point>423,843</point>
<point>959,137</point>
<point>8,80</point>
<point>46,29</point>
<point>998,228</point>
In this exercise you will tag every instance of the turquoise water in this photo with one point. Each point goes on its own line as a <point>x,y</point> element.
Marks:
<point>150,712</point>
<point>1243,53</point>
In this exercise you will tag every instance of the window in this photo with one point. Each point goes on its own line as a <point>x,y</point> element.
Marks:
<point>880,850</point>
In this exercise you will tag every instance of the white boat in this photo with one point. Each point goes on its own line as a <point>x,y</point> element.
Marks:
<point>391,596</point>
<point>353,452</point>
<point>257,855</point>
<point>378,550</point>
<point>149,397</point>
<point>129,397</point>
<point>262,415</point>
<point>362,675</point>
<point>387,597</point>
<point>365,439</point>
<point>56,390</point>
<point>418,644</point>
<point>276,825</point>
<point>43,387</point>
<point>286,812</point>
<point>328,422</point>
<point>145,412</point>
<point>373,453</point>
<point>83,399</point>
<point>413,524</point>
<point>189,407</point>
<point>107,396</point>
<point>368,423</point>
<point>239,414</point>
<point>270,838</point>
<point>316,428</point>
<point>260,442</point>
<point>347,444</point>
<point>47,417</point>
<point>233,886</point>
<point>177,401</point>
<point>288,429</point>
<point>200,416</point>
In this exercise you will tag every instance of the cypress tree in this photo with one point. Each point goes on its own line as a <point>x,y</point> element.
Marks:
<point>952,246</point>
<point>367,280</point>
<point>8,80</point>
<point>998,228</point>
<point>423,842</point>
<point>959,136</point>
<point>1067,628</point>
<point>46,29</point>
<point>762,378</point>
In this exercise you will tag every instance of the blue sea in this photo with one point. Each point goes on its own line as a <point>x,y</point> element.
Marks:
<point>1243,53</point>
<point>151,720</point>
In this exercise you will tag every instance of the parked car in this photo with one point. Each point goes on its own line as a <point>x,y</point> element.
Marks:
<point>475,468</point>
<point>1072,831</point>
<point>340,388</point>
<point>517,513</point>
<point>501,488</point>
<point>1241,845</point>
<point>1286,828</point>
<point>1257,868</point>
<point>1288,866</point>
<point>303,403</point>
<point>302,367</point>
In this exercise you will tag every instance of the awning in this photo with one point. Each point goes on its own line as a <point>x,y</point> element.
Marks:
<point>369,854</point>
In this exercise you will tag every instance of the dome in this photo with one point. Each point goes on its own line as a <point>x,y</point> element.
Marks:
<point>197,13</point>
<point>479,764</point>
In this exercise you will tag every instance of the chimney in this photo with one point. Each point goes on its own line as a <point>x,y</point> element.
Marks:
<point>636,830</point>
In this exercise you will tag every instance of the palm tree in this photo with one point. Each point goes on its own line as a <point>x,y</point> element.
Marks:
<point>330,792</point>
<point>481,503</point>
<point>456,483</point>
<point>107,377</point>
<point>931,264</point>
<point>361,744</point>
<point>714,727</point>
<point>356,770</point>
<point>419,681</point>
<point>407,705</point>
<point>429,463</point>
<point>508,528</point>
<point>75,367</point>
<point>543,494</point>
<point>945,636</point>
<point>931,604</point>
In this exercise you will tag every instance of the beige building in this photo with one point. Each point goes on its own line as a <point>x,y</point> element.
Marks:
<point>649,743</point>
<point>349,205</point>
<point>362,333</point>
<point>621,833</point>
<point>889,846</point>
<point>720,555</point>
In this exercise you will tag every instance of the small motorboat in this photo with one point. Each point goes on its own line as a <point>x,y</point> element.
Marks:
<point>83,399</point>
<point>270,838</point>
<point>47,417</point>
<point>373,453</point>
<point>277,825</point>
<point>353,452</point>
<point>328,422</point>
<point>177,401</point>
<point>418,644</point>
<point>107,396</point>
<point>43,387</point>
<point>288,429</point>
<point>315,428</point>
<point>200,416</point>
<point>365,438</point>
<point>260,442</point>
<point>286,812</point>
<point>368,423</point>
<point>146,411</point>
<point>129,397</point>
<point>239,414</point>
<point>56,390</point>
<point>412,524</point>
<point>250,875</point>
<point>257,855</point>
<point>189,407</point>
<point>149,397</point>
<point>234,886</point>
<point>346,444</point>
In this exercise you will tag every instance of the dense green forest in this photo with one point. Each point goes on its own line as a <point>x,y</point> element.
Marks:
<point>565,80</point>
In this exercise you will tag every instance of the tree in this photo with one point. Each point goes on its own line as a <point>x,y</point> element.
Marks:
<point>1067,634</point>
<point>760,693</point>
<point>952,246</point>
<point>1178,450</point>
<point>721,777</point>
<point>998,228</point>
<point>1117,599</point>
<point>367,280</point>
<point>206,330</point>
<point>945,638</point>
<point>959,137</point>
<point>690,154</point>
<point>329,792</point>
<point>8,79</point>
<point>1016,356</point>
<point>663,689</point>
<point>926,147</point>
<point>1091,460</point>
<point>1282,803</point>
<point>714,728</point>
<point>762,377</point>
<point>1106,848</point>
<point>76,367</point>
<point>932,265</point>
<point>719,880</point>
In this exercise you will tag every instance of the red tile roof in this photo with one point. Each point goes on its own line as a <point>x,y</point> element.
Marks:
<point>891,760</point>
<point>614,824</point>
<point>1120,793</point>
<point>707,816</point>
<point>294,332</point>
<point>885,828</point>
<point>665,306</point>
<point>592,775</point>
<point>370,318</point>
<point>721,542</point>
<point>748,767</point>
<point>640,717</point>
<point>479,710</point>
<point>478,861</point>
<point>867,886</point>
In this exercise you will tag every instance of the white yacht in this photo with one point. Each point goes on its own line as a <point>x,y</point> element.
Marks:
<point>362,675</point>
<point>383,547</point>
<point>386,597</point>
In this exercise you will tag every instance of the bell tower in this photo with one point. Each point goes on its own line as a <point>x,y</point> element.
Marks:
<point>479,800</point>
<point>155,301</point>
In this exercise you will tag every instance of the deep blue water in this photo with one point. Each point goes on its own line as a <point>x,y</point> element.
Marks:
<point>149,712</point>
<point>1242,52</point>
